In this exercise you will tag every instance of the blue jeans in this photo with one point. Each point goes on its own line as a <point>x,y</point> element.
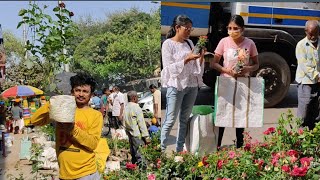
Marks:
<point>178,101</point>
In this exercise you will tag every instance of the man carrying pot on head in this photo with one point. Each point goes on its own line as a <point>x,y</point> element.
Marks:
<point>76,142</point>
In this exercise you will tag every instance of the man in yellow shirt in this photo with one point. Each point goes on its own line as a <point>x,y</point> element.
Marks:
<point>76,141</point>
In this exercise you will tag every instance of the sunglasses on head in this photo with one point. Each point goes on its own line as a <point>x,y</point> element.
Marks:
<point>233,28</point>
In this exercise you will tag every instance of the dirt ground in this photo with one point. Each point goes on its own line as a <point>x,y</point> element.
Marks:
<point>11,166</point>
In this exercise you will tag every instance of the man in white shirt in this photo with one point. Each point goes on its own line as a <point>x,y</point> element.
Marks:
<point>117,102</point>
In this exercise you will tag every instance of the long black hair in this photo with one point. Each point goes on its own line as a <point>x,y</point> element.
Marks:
<point>238,20</point>
<point>180,20</point>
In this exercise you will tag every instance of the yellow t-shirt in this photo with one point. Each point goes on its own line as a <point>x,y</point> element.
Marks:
<point>75,149</point>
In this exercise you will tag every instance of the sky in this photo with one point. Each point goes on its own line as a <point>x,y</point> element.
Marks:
<point>98,10</point>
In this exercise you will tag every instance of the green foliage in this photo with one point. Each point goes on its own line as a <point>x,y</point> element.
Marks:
<point>50,37</point>
<point>49,130</point>
<point>16,68</point>
<point>36,151</point>
<point>128,49</point>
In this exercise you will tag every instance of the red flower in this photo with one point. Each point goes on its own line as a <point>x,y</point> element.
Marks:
<point>269,131</point>
<point>286,168</point>
<point>71,14</point>
<point>204,161</point>
<point>305,162</point>
<point>131,166</point>
<point>247,147</point>
<point>231,154</point>
<point>158,163</point>
<point>260,164</point>
<point>300,131</point>
<point>299,171</point>
<point>292,153</point>
<point>219,164</point>
<point>62,5</point>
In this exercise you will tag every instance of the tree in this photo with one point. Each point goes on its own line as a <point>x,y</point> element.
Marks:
<point>16,68</point>
<point>129,50</point>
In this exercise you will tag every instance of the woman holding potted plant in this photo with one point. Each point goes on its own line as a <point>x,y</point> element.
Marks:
<point>240,58</point>
<point>181,75</point>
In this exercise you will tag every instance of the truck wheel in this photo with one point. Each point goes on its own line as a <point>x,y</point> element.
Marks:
<point>276,73</point>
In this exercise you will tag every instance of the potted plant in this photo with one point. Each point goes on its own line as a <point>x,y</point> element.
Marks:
<point>200,44</point>
<point>243,56</point>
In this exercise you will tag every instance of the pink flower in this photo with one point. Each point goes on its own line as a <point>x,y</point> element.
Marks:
<point>219,164</point>
<point>293,159</point>
<point>151,177</point>
<point>131,166</point>
<point>300,131</point>
<point>286,168</point>
<point>232,154</point>
<point>274,161</point>
<point>305,161</point>
<point>193,169</point>
<point>299,171</point>
<point>269,131</point>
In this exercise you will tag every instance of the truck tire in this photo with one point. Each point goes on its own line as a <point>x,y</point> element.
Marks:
<point>276,73</point>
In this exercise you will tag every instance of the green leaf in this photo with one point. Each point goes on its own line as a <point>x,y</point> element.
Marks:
<point>22,12</point>
<point>56,9</point>
<point>19,24</point>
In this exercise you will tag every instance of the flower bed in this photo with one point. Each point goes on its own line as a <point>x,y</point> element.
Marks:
<point>287,152</point>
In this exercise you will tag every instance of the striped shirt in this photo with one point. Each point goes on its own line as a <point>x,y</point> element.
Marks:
<point>308,69</point>
<point>134,121</point>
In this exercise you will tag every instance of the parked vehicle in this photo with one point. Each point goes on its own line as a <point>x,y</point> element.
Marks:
<point>146,103</point>
<point>275,27</point>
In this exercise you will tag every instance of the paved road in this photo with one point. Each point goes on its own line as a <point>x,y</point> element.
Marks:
<point>271,116</point>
